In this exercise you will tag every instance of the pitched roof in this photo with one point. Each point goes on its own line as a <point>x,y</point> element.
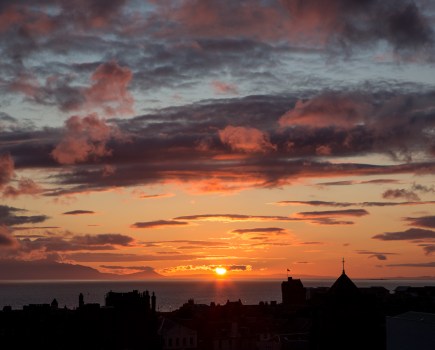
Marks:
<point>344,287</point>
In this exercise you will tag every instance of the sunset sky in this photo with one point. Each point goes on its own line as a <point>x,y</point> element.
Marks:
<point>255,135</point>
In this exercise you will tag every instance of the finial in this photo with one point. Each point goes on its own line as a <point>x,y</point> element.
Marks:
<point>343,264</point>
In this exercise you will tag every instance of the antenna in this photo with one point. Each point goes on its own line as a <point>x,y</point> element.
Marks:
<point>343,264</point>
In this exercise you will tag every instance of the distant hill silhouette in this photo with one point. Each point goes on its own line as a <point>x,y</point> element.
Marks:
<point>51,270</point>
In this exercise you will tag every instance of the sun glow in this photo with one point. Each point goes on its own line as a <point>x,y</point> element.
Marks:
<point>221,271</point>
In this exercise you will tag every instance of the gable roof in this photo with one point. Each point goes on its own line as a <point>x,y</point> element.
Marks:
<point>344,287</point>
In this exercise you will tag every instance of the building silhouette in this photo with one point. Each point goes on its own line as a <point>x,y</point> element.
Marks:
<point>342,316</point>
<point>293,292</point>
<point>346,318</point>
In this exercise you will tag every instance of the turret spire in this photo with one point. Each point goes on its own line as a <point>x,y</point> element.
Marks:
<point>343,264</point>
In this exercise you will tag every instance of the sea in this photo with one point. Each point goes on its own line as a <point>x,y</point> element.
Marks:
<point>170,294</point>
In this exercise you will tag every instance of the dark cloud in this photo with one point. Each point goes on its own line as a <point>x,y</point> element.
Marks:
<point>410,194</point>
<point>334,213</point>
<point>422,221</point>
<point>9,217</point>
<point>349,183</point>
<point>159,223</point>
<point>25,228</point>
<point>312,217</point>
<point>158,142</point>
<point>401,193</point>
<point>191,244</point>
<point>377,255</point>
<point>341,23</point>
<point>422,188</point>
<point>428,264</point>
<point>78,212</point>
<point>350,204</point>
<point>4,117</point>
<point>122,257</point>
<point>328,221</point>
<point>37,20</point>
<point>6,239</point>
<point>56,244</point>
<point>188,44</point>
<point>358,23</point>
<point>379,181</point>
<point>428,248</point>
<point>408,235</point>
<point>233,217</point>
<point>25,187</point>
<point>158,195</point>
<point>105,241</point>
<point>6,169</point>
<point>238,267</point>
<point>337,183</point>
<point>273,230</point>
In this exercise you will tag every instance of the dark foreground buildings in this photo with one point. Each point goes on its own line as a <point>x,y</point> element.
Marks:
<point>127,321</point>
<point>340,317</point>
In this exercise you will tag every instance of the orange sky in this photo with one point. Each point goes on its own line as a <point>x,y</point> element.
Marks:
<point>184,136</point>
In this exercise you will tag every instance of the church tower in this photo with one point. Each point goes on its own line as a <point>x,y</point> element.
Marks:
<point>293,292</point>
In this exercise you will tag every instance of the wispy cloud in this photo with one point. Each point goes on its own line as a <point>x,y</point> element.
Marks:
<point>377,255</point>
<point>408,235</point>
<point>428,249</point>
<point>333,213</point>
<point>351,204</point>
<point>233,217</point>
<point>159,223</point>
<point>267,230</point>
<point>423,221</point>
<point>427,264</point>
<point>78,212</point>
<point>154,196</point>
<point>320,218</point>
<point>6,238</point>
<point>124,257</point>
<point>189,244</point>
<point>9,217</point>
<point>66,243</point>
<point>401,193</point>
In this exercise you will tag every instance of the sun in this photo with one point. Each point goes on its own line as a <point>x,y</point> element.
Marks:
<point>221,271</point>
